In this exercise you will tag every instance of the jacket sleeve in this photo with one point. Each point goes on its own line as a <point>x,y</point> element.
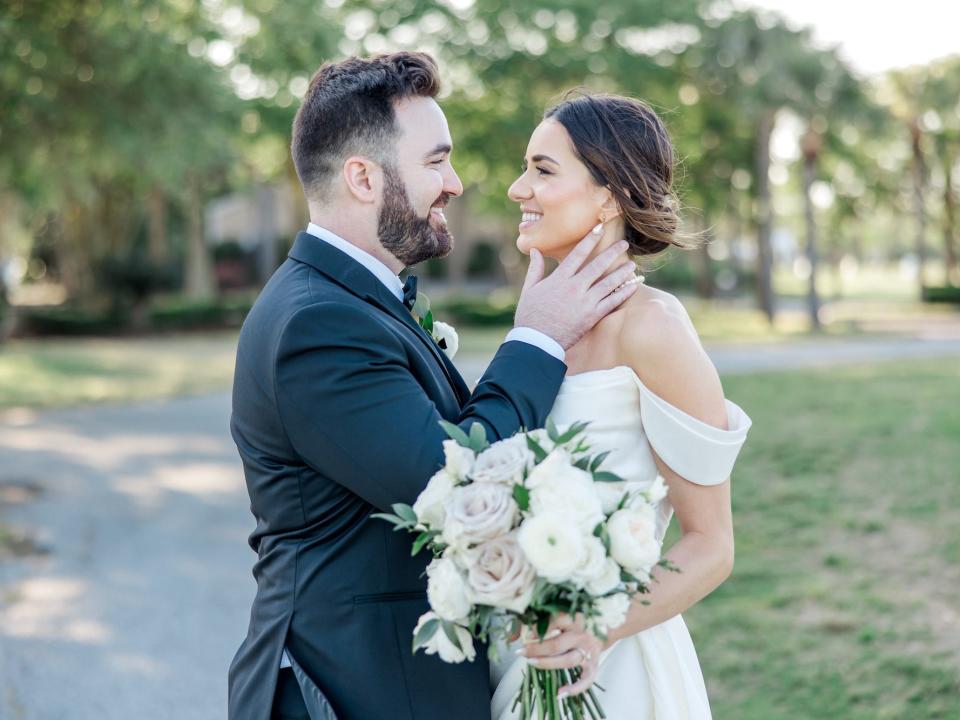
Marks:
<point>355,413</point>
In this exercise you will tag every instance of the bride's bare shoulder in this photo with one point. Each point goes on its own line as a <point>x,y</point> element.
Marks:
<point>658,340</point>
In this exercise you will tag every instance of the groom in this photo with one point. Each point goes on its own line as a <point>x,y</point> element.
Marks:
<point>337,399</point>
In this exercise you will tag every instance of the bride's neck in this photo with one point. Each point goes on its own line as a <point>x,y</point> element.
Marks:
<point>613,232</point>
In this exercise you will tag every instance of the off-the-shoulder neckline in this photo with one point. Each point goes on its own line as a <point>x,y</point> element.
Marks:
<point>586,373</point>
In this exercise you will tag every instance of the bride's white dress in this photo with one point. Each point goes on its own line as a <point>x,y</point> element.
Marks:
<point>653,675</point>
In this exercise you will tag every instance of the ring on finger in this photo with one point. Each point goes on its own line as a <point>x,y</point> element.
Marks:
<point>585,656</point>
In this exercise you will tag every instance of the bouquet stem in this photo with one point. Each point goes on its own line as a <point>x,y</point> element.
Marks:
<point>538,697</point>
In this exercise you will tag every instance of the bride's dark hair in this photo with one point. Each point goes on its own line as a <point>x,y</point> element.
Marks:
<point>627,149</point>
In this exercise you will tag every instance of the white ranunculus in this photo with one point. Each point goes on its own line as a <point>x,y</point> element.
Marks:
<point>606,581</point>
<point>613,612</point>
<point>446,337</point>
<point>556,463</point>
<point>429,505</point>
<point>552,544</point>
<point>478,512</point>
<point>503,462</point>
<point>592,563</point>
<point>447,590</point>
<point>633,541</point>
<point>459,460</point>
<point>570,492</point>
<point>440,644</point>
<point>500,575</point>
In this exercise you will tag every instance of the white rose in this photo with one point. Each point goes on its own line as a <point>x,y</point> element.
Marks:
<point>633,541</point>
<point>446,337</point>
<point>459,460</point>
<point>500,575</point>
<point>593,563</point>
<point>503,462</point>
<point>556,463</point>
<point>447,590</point>
<point>429,505</point>
<point>440,644</point>
<point>552,544</point>
<point>613,612</point>
<point>606,581</point>
<point>569,492</point>
<point>478,512</point>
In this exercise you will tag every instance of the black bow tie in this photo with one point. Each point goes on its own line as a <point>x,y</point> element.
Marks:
<point>410,292</point>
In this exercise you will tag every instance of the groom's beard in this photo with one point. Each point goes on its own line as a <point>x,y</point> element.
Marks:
<point>410,238</point>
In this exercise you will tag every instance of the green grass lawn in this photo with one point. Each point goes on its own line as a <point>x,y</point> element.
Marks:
<point>844,599</point>
<point>55,373</point>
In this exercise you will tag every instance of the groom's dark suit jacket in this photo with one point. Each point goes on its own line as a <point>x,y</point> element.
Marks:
<point>336,403</point>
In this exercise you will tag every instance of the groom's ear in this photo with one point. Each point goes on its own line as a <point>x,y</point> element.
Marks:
<point>363,178</point>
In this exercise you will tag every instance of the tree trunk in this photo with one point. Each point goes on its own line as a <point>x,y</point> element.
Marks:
<point>157,226</point>
<point>951,271</point>
<point>919,211</point>
<point>764,216</point>
<point>706,288</point>
<point>198,273</point>
<point>811,148</point>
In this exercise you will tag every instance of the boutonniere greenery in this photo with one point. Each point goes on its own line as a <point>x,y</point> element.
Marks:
<point>443,334</point>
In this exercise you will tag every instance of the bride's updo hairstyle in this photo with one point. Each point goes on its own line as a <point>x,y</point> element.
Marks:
<point>627,149</point>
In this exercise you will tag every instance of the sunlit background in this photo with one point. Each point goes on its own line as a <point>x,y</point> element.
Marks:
<point>147,193</point>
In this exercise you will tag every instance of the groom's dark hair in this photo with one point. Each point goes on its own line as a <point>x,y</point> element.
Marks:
<point>349,109</point>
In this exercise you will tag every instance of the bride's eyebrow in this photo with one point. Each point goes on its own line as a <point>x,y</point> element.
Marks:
<point>541,158</point>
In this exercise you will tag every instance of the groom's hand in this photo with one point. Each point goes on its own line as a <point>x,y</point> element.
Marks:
<point>575,296</point>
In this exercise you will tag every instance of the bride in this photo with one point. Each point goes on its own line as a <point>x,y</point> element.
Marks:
<point>651,394</point>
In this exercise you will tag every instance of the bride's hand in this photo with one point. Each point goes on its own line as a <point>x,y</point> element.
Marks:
<point>567,644</point>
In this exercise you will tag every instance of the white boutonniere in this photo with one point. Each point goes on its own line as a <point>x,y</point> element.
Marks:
<point>443,334</point>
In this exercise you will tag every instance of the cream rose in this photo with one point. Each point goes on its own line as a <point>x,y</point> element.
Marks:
<point>439,643</point>
<point>500,575</point>
<point>552,544</point>
<point>429,505</point>
<point>633,541</point>
<point>478,512</point>
<point>447,590</point>
<point>503,462</point>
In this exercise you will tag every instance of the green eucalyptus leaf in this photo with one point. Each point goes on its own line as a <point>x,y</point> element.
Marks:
<point>405,512</point>
<point>425,633</point>
<point>455,433</point>
<point>538,452</point>
<point>604,476</point>
<point>450,629</point>
<point>478,437</point>
<point>522,496</point>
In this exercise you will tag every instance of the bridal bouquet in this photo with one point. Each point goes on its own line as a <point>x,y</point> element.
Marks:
<point>521,531</point>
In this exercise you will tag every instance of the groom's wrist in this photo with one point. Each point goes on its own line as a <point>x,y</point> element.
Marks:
<point>537,339</point>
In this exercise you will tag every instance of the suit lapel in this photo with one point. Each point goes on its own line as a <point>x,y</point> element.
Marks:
<point>356,279</point>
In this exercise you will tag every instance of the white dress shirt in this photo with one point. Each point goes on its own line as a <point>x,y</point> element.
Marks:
<point>394,285</point>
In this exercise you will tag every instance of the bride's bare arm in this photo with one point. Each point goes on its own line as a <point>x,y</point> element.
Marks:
<point>660,344</point>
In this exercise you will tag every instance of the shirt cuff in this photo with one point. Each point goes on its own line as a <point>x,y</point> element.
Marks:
<point>537,339</point>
